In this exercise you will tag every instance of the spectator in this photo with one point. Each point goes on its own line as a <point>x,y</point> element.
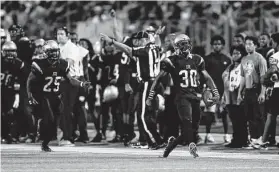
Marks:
<point>215,64</point>
<point>231,78</point>
<point>253,66</point>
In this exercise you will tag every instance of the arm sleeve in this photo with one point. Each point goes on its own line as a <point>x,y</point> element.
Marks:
<point>167,64</point>
<point>241,70</point>
<point>36,69</point>
<point>262,66</point>
<point>85,67</point>
<point>201,64</point>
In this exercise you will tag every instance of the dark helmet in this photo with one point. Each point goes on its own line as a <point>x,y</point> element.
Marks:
<point>16,32</point>
<point>52,51</point>
<point>182,43</point>
<point>9,50</point>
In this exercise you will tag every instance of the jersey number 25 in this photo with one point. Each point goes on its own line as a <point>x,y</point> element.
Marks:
<point>52,81</point>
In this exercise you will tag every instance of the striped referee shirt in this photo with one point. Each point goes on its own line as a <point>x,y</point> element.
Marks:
<point>148,61</point>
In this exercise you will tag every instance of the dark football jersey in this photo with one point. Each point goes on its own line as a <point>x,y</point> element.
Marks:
<point>9,74</point>
<point>185,73</point>
<point>110,67</point>
<point>148,61</point>
<point>50,76</point>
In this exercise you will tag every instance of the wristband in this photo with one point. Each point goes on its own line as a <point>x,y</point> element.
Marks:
<point>151,94</point>
<point>215,92</point>
<point>81,84</point>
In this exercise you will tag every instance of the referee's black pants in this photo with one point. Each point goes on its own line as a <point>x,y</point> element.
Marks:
<point>148,116</point>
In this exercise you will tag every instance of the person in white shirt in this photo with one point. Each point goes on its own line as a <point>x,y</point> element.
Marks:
<point>74,55</point>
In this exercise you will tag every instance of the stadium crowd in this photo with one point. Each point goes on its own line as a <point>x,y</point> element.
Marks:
<point>50,86</point>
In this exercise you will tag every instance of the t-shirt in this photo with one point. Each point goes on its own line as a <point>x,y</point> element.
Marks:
<point>253,66</point>
<point>274,60</point>
<point>215,65</point>
<point>76,54</point>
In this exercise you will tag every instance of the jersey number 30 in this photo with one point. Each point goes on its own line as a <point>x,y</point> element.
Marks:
<point>52,81</point>
<point>188,78</point>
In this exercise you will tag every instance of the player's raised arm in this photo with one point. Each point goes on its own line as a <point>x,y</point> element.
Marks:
<point>121,46</point>
<point>116,31</point>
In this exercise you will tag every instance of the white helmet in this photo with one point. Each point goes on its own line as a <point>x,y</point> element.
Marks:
<point>160,101</point>
<point>110,93</point>
<point>183,43</point>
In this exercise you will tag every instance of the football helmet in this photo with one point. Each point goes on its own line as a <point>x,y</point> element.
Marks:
<point>110,93</point>
<point>52,51</point>
<point>183,44</point>
<point>9,50</point>
<point>160,103</point>
<point>16,32</point>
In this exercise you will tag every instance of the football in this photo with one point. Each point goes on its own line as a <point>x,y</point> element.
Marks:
<point>207,98</point>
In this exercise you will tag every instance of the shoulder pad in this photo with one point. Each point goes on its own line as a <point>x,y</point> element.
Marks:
<point>168,61</point>
<point>36,67</point>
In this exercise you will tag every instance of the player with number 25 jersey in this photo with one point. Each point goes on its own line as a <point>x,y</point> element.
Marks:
<point>49,73</point>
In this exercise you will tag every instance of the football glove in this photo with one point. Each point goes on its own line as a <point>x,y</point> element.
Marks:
<point>32,101</point>
<point>210,97</point>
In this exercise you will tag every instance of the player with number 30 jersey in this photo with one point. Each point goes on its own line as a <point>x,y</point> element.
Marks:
<point>185,69</point>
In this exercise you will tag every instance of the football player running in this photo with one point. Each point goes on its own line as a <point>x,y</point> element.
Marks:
<point>186,69</point>
<point>49,72</point>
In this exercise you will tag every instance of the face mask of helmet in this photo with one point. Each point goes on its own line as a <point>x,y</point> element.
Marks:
<point>9,54</point>
<point>52,56</point>
<point>184,46</point>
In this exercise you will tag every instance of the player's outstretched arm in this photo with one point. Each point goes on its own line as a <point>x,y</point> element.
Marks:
<point>153,86</point>
<point>120,46</point>
<point>76,82</point>
<point>210,83</point>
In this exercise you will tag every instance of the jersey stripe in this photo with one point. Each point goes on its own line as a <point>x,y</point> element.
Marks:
<point>138,69</point>
<point>151,62</point>
<point>36,66</point>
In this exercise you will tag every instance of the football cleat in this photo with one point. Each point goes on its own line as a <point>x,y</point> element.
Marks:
<point>46,148</point>
<point>193,150</point>
<point>170,147</point>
